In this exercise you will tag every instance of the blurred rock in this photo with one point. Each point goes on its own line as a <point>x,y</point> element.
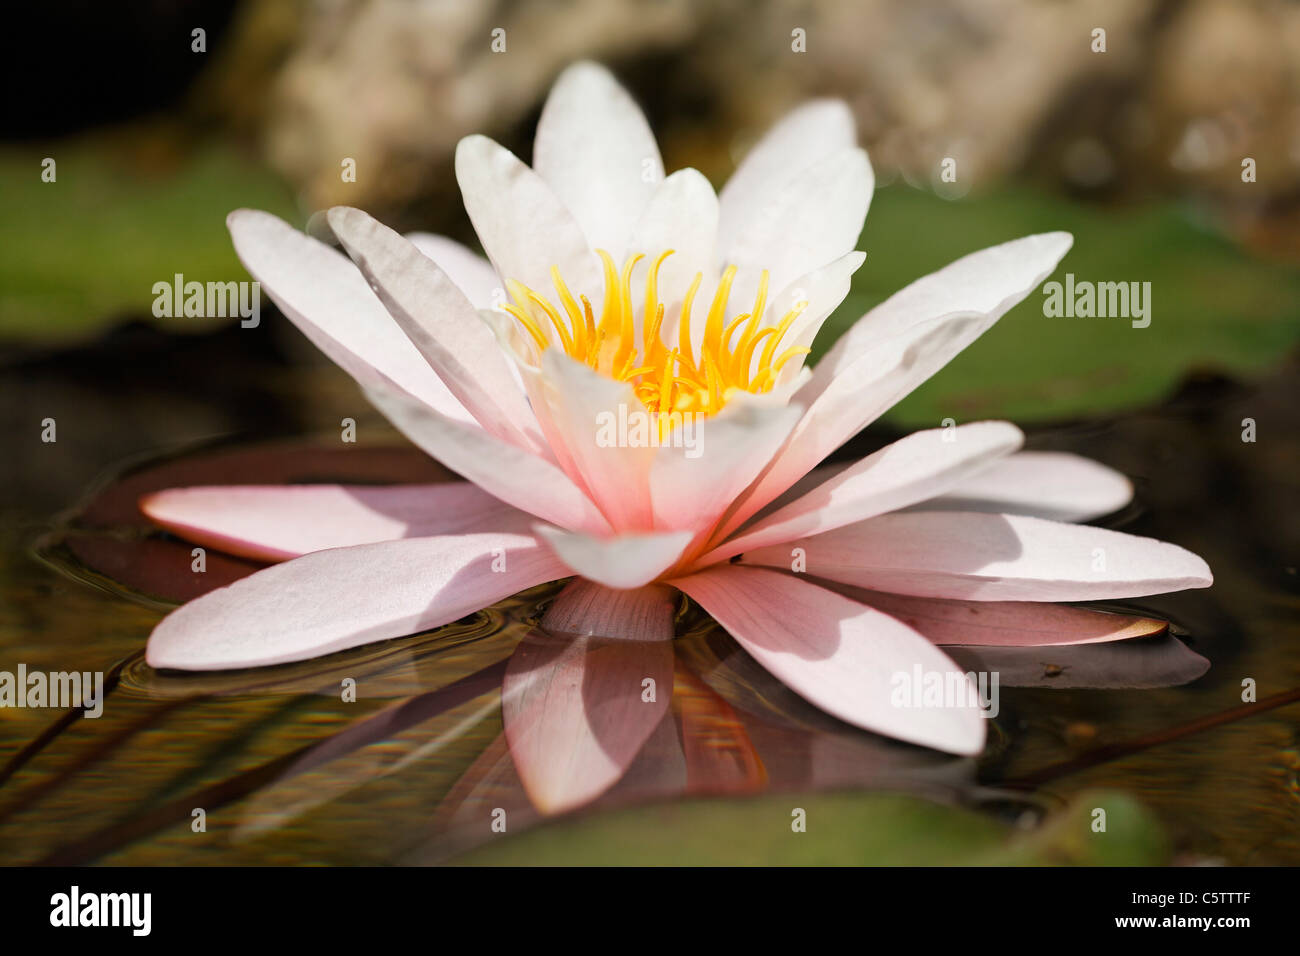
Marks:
<point>393,84</point>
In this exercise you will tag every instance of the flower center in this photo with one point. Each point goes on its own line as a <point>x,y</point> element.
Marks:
<point>741,354</point>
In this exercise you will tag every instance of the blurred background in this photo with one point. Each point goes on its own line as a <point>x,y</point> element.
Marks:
<point>1138,150</point>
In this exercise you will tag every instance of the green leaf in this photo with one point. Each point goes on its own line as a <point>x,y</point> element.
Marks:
<point>85,250</point>
<point>1212,305</point>
<point>882,829</point>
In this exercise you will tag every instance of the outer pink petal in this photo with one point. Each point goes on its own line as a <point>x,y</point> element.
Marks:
<point>912,469</point>
<point>500,468</point>
<point>323,294</point>
<point>842,656</point>
<point>990,557</point>
<point>587,609</point>
<point>331,600</point>
<point>472,273</point>
<point>278,522</point>
<point>1044,484</point>
<point>1007,623</point>
<point>443,325</point>
<point>624,561</point>
<point>578,709</point>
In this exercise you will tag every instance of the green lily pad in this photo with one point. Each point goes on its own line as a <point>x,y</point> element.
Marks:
<point>1213,305</point>
<point>882,829</point>
<point>85,250</point>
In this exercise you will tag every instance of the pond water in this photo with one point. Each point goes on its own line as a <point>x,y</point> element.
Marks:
<point>280,769</point>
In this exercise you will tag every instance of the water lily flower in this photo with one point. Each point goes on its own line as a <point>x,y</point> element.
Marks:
<point>609,291</point>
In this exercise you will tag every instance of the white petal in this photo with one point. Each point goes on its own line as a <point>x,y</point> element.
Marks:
<point>328,601</point>
<point>325,295</point>
<point>812,220</point>
<point>802,137</point>
<point>853,400</point>
<point>823,289</point>
<point>621,562</point>
<point>596,151</point>
<point>682,215</point>
<point>846,658</point>
<point>988,282</point>
<point>472,273</point>
<point>989,557</point>
<point>1044,484</point>
<point>442,323</point>
<point>515,476</point>
<point>898,345</point>
<point>524,228</point>
<point>912,469</point>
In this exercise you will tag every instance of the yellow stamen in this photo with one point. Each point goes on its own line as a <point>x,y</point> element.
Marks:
<point>670,381</point>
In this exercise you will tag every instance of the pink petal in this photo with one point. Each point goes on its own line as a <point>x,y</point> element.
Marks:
<point>442,324</point>
<point>579,709</point>
<point>990,557</point>
<point>1044,484</point>
<point>329,601</point>
<point>587,609</point>
<point>515,476</point>
<point>323,294</point>
<point>912,469</point>
<point>693,482</point>
<point>584,409</point>
<point>1007,623</point>
<point>840,655</point>
<point>278,522</point>
<point>595,150</point>
<point>472,273</point>
<point>624,561</point>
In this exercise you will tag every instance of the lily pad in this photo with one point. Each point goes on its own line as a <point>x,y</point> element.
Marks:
<point>1211,304</point>
<point>844,829</point>
<point>84,250</point>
